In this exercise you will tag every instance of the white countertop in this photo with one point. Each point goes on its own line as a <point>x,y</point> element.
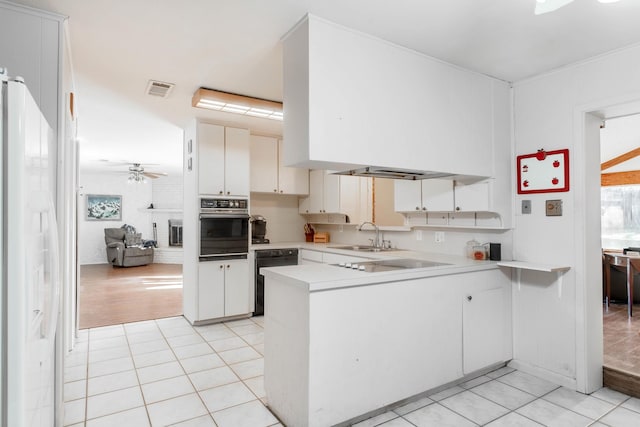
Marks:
<point>322,277</point>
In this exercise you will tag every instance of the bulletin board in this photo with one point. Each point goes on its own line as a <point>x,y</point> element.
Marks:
<point>543,172</point>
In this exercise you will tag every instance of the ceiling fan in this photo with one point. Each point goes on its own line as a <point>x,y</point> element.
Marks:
<point>137,172</point>
<point>544,6</point>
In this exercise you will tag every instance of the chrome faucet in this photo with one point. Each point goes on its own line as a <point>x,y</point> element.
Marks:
<point>376,242</point>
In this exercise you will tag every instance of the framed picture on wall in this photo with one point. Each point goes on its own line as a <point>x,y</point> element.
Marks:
<point>104,207</point>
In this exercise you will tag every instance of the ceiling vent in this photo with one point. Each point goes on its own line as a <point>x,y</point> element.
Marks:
<point>161,89</point>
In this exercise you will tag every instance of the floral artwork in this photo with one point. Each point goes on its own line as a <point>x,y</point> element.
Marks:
<point>104,207</point>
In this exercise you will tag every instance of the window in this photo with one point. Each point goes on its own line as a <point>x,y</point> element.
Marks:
<point>620,216</point>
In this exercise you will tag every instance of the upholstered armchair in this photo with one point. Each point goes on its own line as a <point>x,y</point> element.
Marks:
<point>126,249</point>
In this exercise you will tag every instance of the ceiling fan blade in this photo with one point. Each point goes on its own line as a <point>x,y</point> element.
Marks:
<point>154,175</point>
<point>545,6</point>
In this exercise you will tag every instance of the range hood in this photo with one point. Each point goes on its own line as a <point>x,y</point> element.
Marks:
<point>394,173</point>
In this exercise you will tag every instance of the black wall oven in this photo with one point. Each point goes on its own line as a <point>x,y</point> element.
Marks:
<point>224,229</point>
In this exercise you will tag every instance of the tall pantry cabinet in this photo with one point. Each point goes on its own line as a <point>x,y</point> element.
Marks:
<point>216,164</point>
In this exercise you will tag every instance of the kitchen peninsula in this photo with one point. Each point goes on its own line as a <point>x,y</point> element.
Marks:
<point>343,344</point>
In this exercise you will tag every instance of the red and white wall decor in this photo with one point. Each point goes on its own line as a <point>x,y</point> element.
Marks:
<point>543,172</point>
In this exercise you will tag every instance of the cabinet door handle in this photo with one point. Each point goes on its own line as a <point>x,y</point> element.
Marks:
<point>221,266</point>
<point>417,208</point>
<point>275,191</point>
<point>280,191</point>
<point>228,192</point>
<point>457,208</point>
<point>424,208</point>
<point>228,266</point>
<point>221,192</point>
<point>469,297</point>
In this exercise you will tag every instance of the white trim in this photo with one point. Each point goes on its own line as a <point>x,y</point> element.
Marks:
<point>555,378</point>
<point>589,337</point>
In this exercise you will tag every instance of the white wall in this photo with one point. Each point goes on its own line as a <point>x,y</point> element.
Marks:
<point>135,198</point>
<point>284,223</point>
<point>167,193</point>
<point>561,335</point>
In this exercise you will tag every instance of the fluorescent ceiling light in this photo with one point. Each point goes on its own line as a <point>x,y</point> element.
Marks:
<point>238,104</point>
<point>545,6</point>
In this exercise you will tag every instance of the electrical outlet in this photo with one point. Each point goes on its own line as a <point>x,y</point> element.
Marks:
<point>439,236</point>
<point>419,235</point>
<point>526,206</point>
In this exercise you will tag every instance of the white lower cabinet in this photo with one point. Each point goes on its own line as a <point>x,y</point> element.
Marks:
<point>331,258</point>
<point>307,256</point>
<point>236,291</point>
<point>483,329</point>
<point>223,289</point>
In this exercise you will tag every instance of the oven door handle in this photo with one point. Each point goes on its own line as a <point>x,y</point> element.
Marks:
<point>223,215</point>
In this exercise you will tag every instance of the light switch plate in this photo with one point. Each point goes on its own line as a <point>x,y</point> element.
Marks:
<point>554,207</point>
<point>526,206</point>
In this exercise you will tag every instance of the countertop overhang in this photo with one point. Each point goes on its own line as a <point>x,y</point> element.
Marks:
<point>324,277</point>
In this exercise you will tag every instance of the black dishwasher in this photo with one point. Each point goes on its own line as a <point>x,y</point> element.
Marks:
<point>270,258</point>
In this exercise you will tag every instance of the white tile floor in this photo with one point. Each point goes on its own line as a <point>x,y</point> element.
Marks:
<point>166,372</point>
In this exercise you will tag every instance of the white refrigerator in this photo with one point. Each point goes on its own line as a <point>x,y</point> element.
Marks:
<point>29,253</point>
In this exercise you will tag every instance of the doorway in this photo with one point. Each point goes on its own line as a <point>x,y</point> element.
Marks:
<point>620,229</point>
<point>108,295</point>
<point>590,339</point>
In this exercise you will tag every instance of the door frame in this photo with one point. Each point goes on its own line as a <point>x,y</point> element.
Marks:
<point>586,161</point>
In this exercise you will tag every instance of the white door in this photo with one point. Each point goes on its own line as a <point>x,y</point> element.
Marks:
<point>316,191</point>
<point>291,180</point>
<point>210,290</point>
<point>236,290</point>
<point>437,195</point>
<point>237,162</point>
<point>472,197</point>
<point>407,196</point>
<point>210,149</point>
<point>264,164</point>
<point>483,329</point>
<point>331,195</point>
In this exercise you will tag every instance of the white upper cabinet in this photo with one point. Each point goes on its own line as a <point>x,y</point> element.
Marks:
<point>472,197</point>
<point>268,175</point>
<point>236,162</point>
<point>264,164</point>
<point>434,195</point>
<point>210,147</point>
<point>331,194</point>
<point>447,123</point>
<point>291,180</point>
<point>223,160</point>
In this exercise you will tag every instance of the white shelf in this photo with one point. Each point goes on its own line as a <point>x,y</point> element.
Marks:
<point>522,265</point>
<point>155,210</point>
<point>460,227</point>
<point>531,266</point>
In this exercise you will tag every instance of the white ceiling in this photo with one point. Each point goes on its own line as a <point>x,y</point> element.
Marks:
<point>234,46</point>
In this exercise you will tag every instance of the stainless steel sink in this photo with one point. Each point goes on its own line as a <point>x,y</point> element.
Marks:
<point>390,264</point>
<point>360,248</point>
